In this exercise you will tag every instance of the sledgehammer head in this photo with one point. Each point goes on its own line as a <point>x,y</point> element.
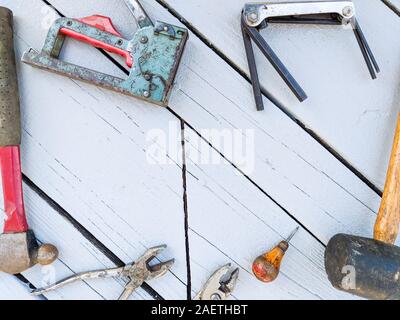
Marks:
<point>20,251</point>
<point>364,267</point>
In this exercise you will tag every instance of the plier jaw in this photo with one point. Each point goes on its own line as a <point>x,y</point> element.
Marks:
<point>220,285</point>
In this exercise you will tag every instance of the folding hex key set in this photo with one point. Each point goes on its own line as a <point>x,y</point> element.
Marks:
<point>256,16</point>
<point>153,54</point>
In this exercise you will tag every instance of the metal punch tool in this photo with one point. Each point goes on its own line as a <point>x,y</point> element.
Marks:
<point>153,55</point>
<point>137,273</point>
<point>256,16</point>
<point>220,285</point>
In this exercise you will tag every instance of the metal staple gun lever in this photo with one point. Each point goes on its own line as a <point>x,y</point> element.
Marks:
<point>153,55</point>
<point>137,273</point>
<point>256,16</point>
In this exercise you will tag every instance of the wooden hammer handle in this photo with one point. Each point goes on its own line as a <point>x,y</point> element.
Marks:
<point>388,221</point>
<point>10,123</point>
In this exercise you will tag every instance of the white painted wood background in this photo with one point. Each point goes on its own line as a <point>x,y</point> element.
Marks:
<point>90,189</point>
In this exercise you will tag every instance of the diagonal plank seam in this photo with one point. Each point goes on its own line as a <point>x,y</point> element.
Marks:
<point>28,284</point>
<point>221,55</point>
<point>192,128</point>
<point>392,6</point>
<point>81,229</point>
<point>279,105</point>
<point>251,181</point>
<point>184,171</point>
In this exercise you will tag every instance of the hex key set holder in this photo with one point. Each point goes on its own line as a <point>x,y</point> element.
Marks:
<point>256,16</point>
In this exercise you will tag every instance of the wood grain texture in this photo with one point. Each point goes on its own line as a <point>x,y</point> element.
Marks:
<point>388,222</point>
<point>352,113</point>
<point>91,155</point>
<point>393,5</point>
<point>77,254</point>
<point>245,223</point>
<point>289,165</point>
<point>13,289</point>
<point>86,148</point>
<point>287,159</point>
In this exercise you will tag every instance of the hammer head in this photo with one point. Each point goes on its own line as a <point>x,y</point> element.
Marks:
<point>364,267</point>
<point>20,251</point>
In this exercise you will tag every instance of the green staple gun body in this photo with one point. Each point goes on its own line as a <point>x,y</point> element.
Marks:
<point>153,55</point>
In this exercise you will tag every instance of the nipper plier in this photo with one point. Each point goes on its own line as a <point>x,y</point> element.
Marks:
<point>136,273</point>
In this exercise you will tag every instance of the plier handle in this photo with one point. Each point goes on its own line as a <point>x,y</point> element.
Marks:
<point>137,273</point>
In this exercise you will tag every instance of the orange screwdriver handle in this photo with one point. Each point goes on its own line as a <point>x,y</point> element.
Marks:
<point>266,267</point>
<point>388,221</point>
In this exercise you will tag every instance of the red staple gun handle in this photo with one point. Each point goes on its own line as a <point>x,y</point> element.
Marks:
<point>104,24</point>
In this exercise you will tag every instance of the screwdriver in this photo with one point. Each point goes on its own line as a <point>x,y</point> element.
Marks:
<point>266,267</point>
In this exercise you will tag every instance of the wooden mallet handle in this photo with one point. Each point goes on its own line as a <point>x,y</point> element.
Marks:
<point>388,221</point>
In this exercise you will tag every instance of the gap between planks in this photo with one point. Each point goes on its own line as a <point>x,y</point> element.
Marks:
<point>185,123</point>
<point>186,213</point>
<point>392,6</point>
<point>84,232</point>
<point>242,73</point>
<point>270,97</point>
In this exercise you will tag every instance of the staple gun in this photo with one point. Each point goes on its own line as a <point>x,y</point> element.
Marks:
<point>153,55</point>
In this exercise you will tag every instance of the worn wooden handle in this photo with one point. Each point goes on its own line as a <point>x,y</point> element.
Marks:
<point>10,127</point>
<point>388,221</point>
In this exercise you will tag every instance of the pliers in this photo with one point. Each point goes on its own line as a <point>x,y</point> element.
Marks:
<point>137,273</point>
<point>220,285</point>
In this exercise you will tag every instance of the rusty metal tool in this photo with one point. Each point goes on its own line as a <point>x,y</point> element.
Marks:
<point>153,55</point>
<point>256,16</point>
<point>370,268</point>
<point>19,249</point>
<point>266,267</point>
<point>220,285</point>
<point>137,273</point>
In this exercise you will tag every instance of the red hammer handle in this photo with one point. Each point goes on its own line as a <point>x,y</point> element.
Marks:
<point>10,163</point>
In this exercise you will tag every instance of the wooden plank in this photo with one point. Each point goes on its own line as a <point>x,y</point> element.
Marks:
<point>290,166</point>
<point>77,254</point>
<point>91,156</point>
<point>355,115</point>
<point>12,289</point>
<point>245,224</point>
